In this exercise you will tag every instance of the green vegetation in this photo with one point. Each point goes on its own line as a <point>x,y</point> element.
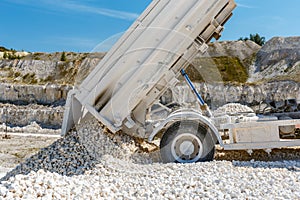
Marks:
<point>11,55</point>
<point>63,56</point>
<point>29,78</point>
<point>16,74</point>
<point>216,69</point>
<point>36,56</point>
<point>5,55</point>
<point>255,38</point>
<point>2,49</point>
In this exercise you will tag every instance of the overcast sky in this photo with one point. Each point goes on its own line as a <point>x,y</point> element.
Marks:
<point>81,25</point>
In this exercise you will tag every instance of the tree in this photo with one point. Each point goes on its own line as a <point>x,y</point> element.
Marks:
<point>5,55</point>
<point>63,56</point>
<point>255,38</point>
<point>258,39</point>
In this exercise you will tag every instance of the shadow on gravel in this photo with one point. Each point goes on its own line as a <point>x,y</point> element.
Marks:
<point>65,157</point>
<point>259,155</point>
<point>287,158</point>
<point>290,165</point>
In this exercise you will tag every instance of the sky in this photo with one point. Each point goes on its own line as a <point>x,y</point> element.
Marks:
<point>82,25</point>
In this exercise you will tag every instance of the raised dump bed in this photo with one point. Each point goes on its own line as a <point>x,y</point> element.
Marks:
<point>145,61</point>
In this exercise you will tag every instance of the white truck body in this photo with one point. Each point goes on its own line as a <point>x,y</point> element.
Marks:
<point>146,61</point>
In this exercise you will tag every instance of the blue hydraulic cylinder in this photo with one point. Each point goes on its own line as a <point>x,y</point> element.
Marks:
<point>188,80</point>
<point>203,105</point>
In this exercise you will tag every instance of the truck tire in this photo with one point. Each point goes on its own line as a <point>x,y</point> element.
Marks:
<point>187,142</point>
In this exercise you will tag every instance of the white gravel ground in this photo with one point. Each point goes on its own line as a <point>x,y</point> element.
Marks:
<point>117,170</point>
<point>116,179</point>
<point>65,171</point>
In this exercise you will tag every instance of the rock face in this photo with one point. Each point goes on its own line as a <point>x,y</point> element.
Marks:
<point>227,61</point>
<point>278,59</point>
<point>44,116</point>
<point>34,94</point>
<point>43,80</point>
<point>42,68</point>
<point>239,49</point>
<point>217,95</point>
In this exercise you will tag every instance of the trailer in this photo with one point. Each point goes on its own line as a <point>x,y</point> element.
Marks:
<point>126,86</point>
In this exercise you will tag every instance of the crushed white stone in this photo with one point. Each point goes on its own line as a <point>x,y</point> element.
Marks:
<point>118,179</point>
<point>74,168</point>
<point>98,142</point>
<point>233,108</point>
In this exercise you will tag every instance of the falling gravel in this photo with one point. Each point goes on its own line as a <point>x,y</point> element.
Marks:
<point>73,168</point>
<point>98,142</point>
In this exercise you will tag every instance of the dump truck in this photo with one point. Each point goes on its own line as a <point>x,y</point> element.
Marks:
<point>151,57</point>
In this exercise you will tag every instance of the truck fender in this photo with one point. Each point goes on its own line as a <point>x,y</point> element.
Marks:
<point>187,114</point>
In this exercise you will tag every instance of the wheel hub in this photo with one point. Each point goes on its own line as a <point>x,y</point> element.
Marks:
<point>187,148</point>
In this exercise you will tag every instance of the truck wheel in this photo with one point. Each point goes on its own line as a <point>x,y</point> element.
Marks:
<point>187,142</point>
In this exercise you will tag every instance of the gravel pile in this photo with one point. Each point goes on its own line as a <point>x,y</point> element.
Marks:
<point>68,155</point>
<point>65,156</point>
<point>232,109</point>
<point>99,142</point>
<point>231,113</point>
<point>73,168</point>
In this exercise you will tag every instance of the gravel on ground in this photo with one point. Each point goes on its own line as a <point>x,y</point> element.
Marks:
<point>90,163</point>
<point>66,170</point>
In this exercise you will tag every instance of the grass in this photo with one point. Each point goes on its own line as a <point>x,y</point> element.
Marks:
<point>216,69</point>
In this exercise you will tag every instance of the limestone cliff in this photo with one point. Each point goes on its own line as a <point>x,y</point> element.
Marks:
<point>279,59</point>
<point>42,68</point>
<point>227,61</point>
<point>232,71</point>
